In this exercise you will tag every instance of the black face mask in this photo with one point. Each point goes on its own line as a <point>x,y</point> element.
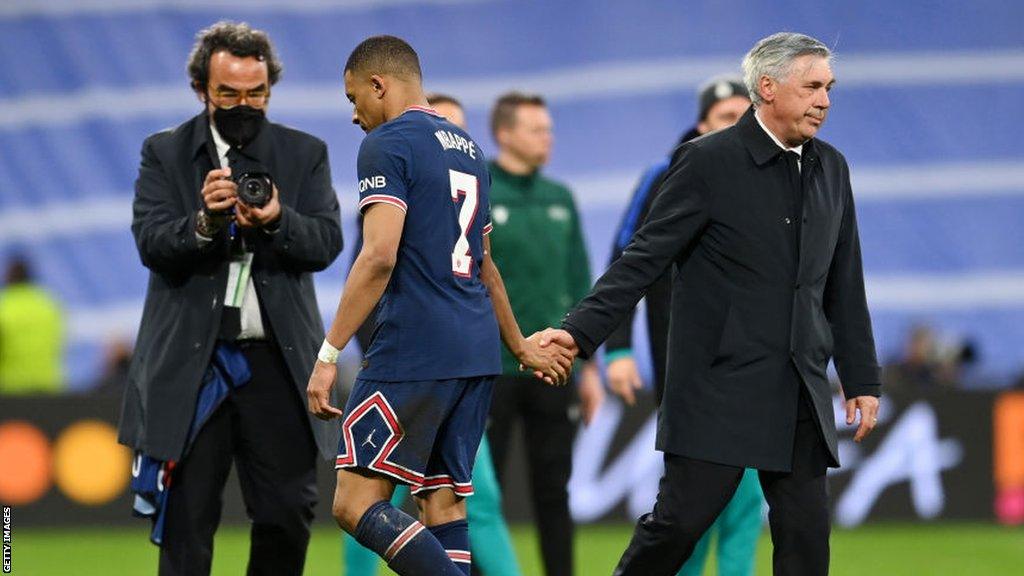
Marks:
<point>239,125</point>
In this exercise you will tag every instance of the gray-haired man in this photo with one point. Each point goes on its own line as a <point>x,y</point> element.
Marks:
<point>760,224</point>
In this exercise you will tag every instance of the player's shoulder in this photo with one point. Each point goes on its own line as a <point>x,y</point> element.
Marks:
<point>387,137</point>
<point>428,126</point>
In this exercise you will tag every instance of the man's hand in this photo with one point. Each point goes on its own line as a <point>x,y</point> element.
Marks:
<point>559,337</point>
<point>624,379</point>
<point>249,217</point>
<point>868,408</point>
<point>220,193</point>
<point>553,364</point>
<point>318,391</point>
<point>591,392</point>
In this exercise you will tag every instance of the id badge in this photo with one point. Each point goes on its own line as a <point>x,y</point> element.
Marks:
<point>238,278</point>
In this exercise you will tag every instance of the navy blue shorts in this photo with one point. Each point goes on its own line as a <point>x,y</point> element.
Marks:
<point>424,434</point>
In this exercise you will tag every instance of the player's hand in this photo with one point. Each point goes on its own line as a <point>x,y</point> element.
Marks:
<point>219,191</point>
<point>250,217</point>
<point>591,392</point>
<point>560,337</point>
<point>318,391</point>
<point>624,379</point>
<point>868,408</point>
<point>553,364</point>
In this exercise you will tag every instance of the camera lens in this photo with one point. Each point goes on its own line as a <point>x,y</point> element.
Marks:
<point>254,188</point>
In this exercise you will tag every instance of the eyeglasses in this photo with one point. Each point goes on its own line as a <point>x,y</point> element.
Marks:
<point>229,97</point>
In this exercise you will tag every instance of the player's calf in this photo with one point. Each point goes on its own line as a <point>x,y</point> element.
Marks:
<point>409,548</point>
<point>362,508</point>
<point>444,513</point>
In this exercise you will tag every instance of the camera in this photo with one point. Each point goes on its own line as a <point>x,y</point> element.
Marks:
<point>254,188</point>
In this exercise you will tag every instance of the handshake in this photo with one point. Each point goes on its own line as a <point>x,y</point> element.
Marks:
<point>549,354</point>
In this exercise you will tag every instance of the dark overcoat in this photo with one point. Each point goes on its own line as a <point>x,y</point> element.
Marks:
<point>756,313</point>
<point>185,295</point>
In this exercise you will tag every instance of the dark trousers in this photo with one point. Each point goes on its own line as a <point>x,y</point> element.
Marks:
<point>262,428</point>
<point>692,493</point>
<point>549,418</point>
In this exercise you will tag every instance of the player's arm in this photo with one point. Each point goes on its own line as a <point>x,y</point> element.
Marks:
<point>556,366</point>
<point>366,282</point>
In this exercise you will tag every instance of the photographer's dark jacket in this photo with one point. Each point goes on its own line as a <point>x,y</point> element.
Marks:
<point>758,309</point>
<point>185,296</point>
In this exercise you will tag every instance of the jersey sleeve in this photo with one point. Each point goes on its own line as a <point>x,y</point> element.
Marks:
<point>485,202</point>
<point>382,168</point>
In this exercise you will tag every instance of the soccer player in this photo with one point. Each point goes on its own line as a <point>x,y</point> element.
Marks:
<point>490,541</point>
<point>418,407</point>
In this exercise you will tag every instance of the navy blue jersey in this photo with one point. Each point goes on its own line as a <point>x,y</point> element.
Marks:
<point>435,320</point>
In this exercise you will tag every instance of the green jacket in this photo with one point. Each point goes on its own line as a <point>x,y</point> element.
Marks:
<point>538,246</point>
<point>31,341</point>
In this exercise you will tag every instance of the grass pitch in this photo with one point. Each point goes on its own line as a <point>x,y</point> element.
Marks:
<point>883,550</point>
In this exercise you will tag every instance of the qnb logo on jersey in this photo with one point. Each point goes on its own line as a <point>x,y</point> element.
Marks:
<point>373,182</point>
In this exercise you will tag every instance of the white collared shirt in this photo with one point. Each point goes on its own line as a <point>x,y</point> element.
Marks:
<point>251,318</point>
<point>798,149</point>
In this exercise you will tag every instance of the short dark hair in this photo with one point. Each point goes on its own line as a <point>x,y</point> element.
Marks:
<point>435,98</point>
<point>503,115</point>
<point>384,55</point>
<point>238,39</point>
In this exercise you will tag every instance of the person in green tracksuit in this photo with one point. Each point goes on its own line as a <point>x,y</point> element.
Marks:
<point>31,335</point>
<point>538,245</point>
<point>489,538</point>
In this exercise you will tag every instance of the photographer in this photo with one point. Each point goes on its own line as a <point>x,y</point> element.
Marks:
<point>231,326</point>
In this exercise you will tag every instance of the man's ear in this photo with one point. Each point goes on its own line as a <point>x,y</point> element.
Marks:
<point>200,92</point>
<point>767,88</point>
<point>379,85</point>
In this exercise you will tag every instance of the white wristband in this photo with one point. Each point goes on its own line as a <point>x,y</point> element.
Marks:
<point>328,354</point>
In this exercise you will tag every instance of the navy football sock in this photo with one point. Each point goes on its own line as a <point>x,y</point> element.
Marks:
<point>454,536</point>
<point>405,544</point>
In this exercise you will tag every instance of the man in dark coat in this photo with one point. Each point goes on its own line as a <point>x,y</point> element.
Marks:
<point>759,221</point>
<point>230,275</point>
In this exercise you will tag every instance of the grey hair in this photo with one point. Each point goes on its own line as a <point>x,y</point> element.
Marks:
<point>773,57</point>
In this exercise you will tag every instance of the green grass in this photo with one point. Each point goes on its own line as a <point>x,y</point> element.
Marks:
<point>877,550</point>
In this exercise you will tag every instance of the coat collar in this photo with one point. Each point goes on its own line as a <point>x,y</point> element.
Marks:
<point>200,133</point>
<point>761,147</point>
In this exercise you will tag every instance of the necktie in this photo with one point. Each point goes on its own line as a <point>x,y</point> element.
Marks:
<point>231,317</point>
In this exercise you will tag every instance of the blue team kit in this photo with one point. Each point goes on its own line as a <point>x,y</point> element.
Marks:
<point>419,405</point>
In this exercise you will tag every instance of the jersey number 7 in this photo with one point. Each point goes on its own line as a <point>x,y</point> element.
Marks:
<point>463,184</point>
